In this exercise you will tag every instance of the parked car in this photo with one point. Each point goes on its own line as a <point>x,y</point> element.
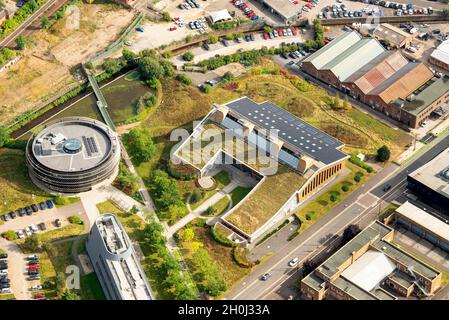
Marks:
<point>58,223</point>
<point>6,217</point>
<point>42,205</point>
<point>32,257</point>
<point>3,256</point>
<point>34,208</point>
<point>6,290</point>
<point>39,296</point>
<point>34,277</point>
<point>20,234</point>
<point>387,187</point>
<point>28,211</point>
<point>266,276</point>
<point>36,287</point>
<point>21,212</point>
<point>50,204</point>
<point>33,228</point>
<point>27,231</point>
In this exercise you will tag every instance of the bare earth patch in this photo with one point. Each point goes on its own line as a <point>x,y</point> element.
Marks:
<point>46,65</point>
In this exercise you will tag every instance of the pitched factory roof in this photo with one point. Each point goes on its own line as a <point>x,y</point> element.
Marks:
<point>333,49</point>
<point>403,82</point>
<point>392,34</point>
<point>377,70</point>
<point>441,53</point>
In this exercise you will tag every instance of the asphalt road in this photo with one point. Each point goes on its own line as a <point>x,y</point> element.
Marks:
<point>354,209</point>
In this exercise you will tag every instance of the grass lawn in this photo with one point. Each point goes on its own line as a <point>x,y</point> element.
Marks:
<point>238,194</point>
<point>6,296</point>
<point>81,249</point>
<point>221,206</point>
<point>68,231</point>
<point>91,287</point>
<point>321,205</point>
<point>206,195</point>
<point>223,179</point>
<point>15,184</point>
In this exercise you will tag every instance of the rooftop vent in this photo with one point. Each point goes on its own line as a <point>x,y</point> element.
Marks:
<point>445,173</point>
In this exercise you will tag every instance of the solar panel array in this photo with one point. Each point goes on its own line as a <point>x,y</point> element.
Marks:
<point>90,144</point>
<point>289,128</point>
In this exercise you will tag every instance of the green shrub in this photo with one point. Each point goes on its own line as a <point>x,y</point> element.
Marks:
<point>220,237</point>
<point>188,56</point>
<point>345,188</point>
<point>361,163</point>
<point>181,77</point>
<point>240,257</point>
<point>75,220</point>
<point>309,216</point>
<point>210,211</point>
<point>10,235</point>
<point>383,154</point>
<point>357,178</point>
<point>196,196</point>
<point>333,197</point>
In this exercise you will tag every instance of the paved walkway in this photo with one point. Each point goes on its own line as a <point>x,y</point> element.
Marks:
<point>203,207</point>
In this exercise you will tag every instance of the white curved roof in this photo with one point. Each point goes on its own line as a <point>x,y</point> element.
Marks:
<point>220,15</point>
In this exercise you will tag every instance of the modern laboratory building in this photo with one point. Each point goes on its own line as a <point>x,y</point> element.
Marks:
<point>72,155</point>
<point>115,262</point>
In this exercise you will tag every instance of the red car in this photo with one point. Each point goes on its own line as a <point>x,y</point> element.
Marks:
<point>280,32</point>
<point>308,5</point>
<point>34,267</point>
<point>265,36</point>
<point>252,14</point>
<point>294,31</point>
<point>244,7</point>
<point>39,296</point>
<point>173,28</point>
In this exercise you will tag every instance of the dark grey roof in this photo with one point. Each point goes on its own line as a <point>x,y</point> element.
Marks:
<point>308,139</point>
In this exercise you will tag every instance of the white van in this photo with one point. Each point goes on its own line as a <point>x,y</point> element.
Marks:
<point>293,262</point>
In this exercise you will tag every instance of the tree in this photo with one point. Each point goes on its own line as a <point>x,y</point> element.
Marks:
<point>150,68</point>
<point>307,267</point>
<point>32,243</point>
<point>267,29</point>
<point>196,196</point>
<point>140,144</point>
<point>383,154</point>
<point>10,235</point>
<point>128,55</point>
<point>4,136</point>
<point>228,76</point>
<point>350,232</point>
<point>181,77</point>
<point>188,234</point>
<point>333,197</point>
<point>446,11</point>
<point>111,66</point>
<point>20,42</point>
<point>70,295</point>
<point>188,56</point>
<point>45,22</point>
<point>207,88</point>
<point>153,235</point>
<point>166,16</point>
<point>8,54</point>
<point>89,65</point>
<point>212,39</point>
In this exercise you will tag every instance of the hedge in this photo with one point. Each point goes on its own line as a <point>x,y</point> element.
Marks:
<point>218,236</point>
<point>360,163</point>
<point>241,260</point>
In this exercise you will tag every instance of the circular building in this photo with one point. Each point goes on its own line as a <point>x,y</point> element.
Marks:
<point>72,155</point>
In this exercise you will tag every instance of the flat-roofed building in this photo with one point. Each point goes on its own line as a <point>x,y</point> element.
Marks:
<point>394,36</point>
<point>115,262</point>
<point>423,224</point>
<point>440,56</point>
<point>431,182</point>
<point>285,10</point>
<point>301,159</point>
<point>370,267</point>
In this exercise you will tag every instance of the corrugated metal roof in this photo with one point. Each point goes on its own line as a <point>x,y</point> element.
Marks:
<point>403,82</point>
<point>441,53</point>
<point>354,58</point>
<point>378,70</point>
<point>391,33</point>
<point>333,49</point>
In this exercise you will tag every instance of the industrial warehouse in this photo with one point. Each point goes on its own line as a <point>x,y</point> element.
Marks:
<point>72,155</point>
<point>370,267</point>
<point>305,158</point>
<point>385,80</point>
